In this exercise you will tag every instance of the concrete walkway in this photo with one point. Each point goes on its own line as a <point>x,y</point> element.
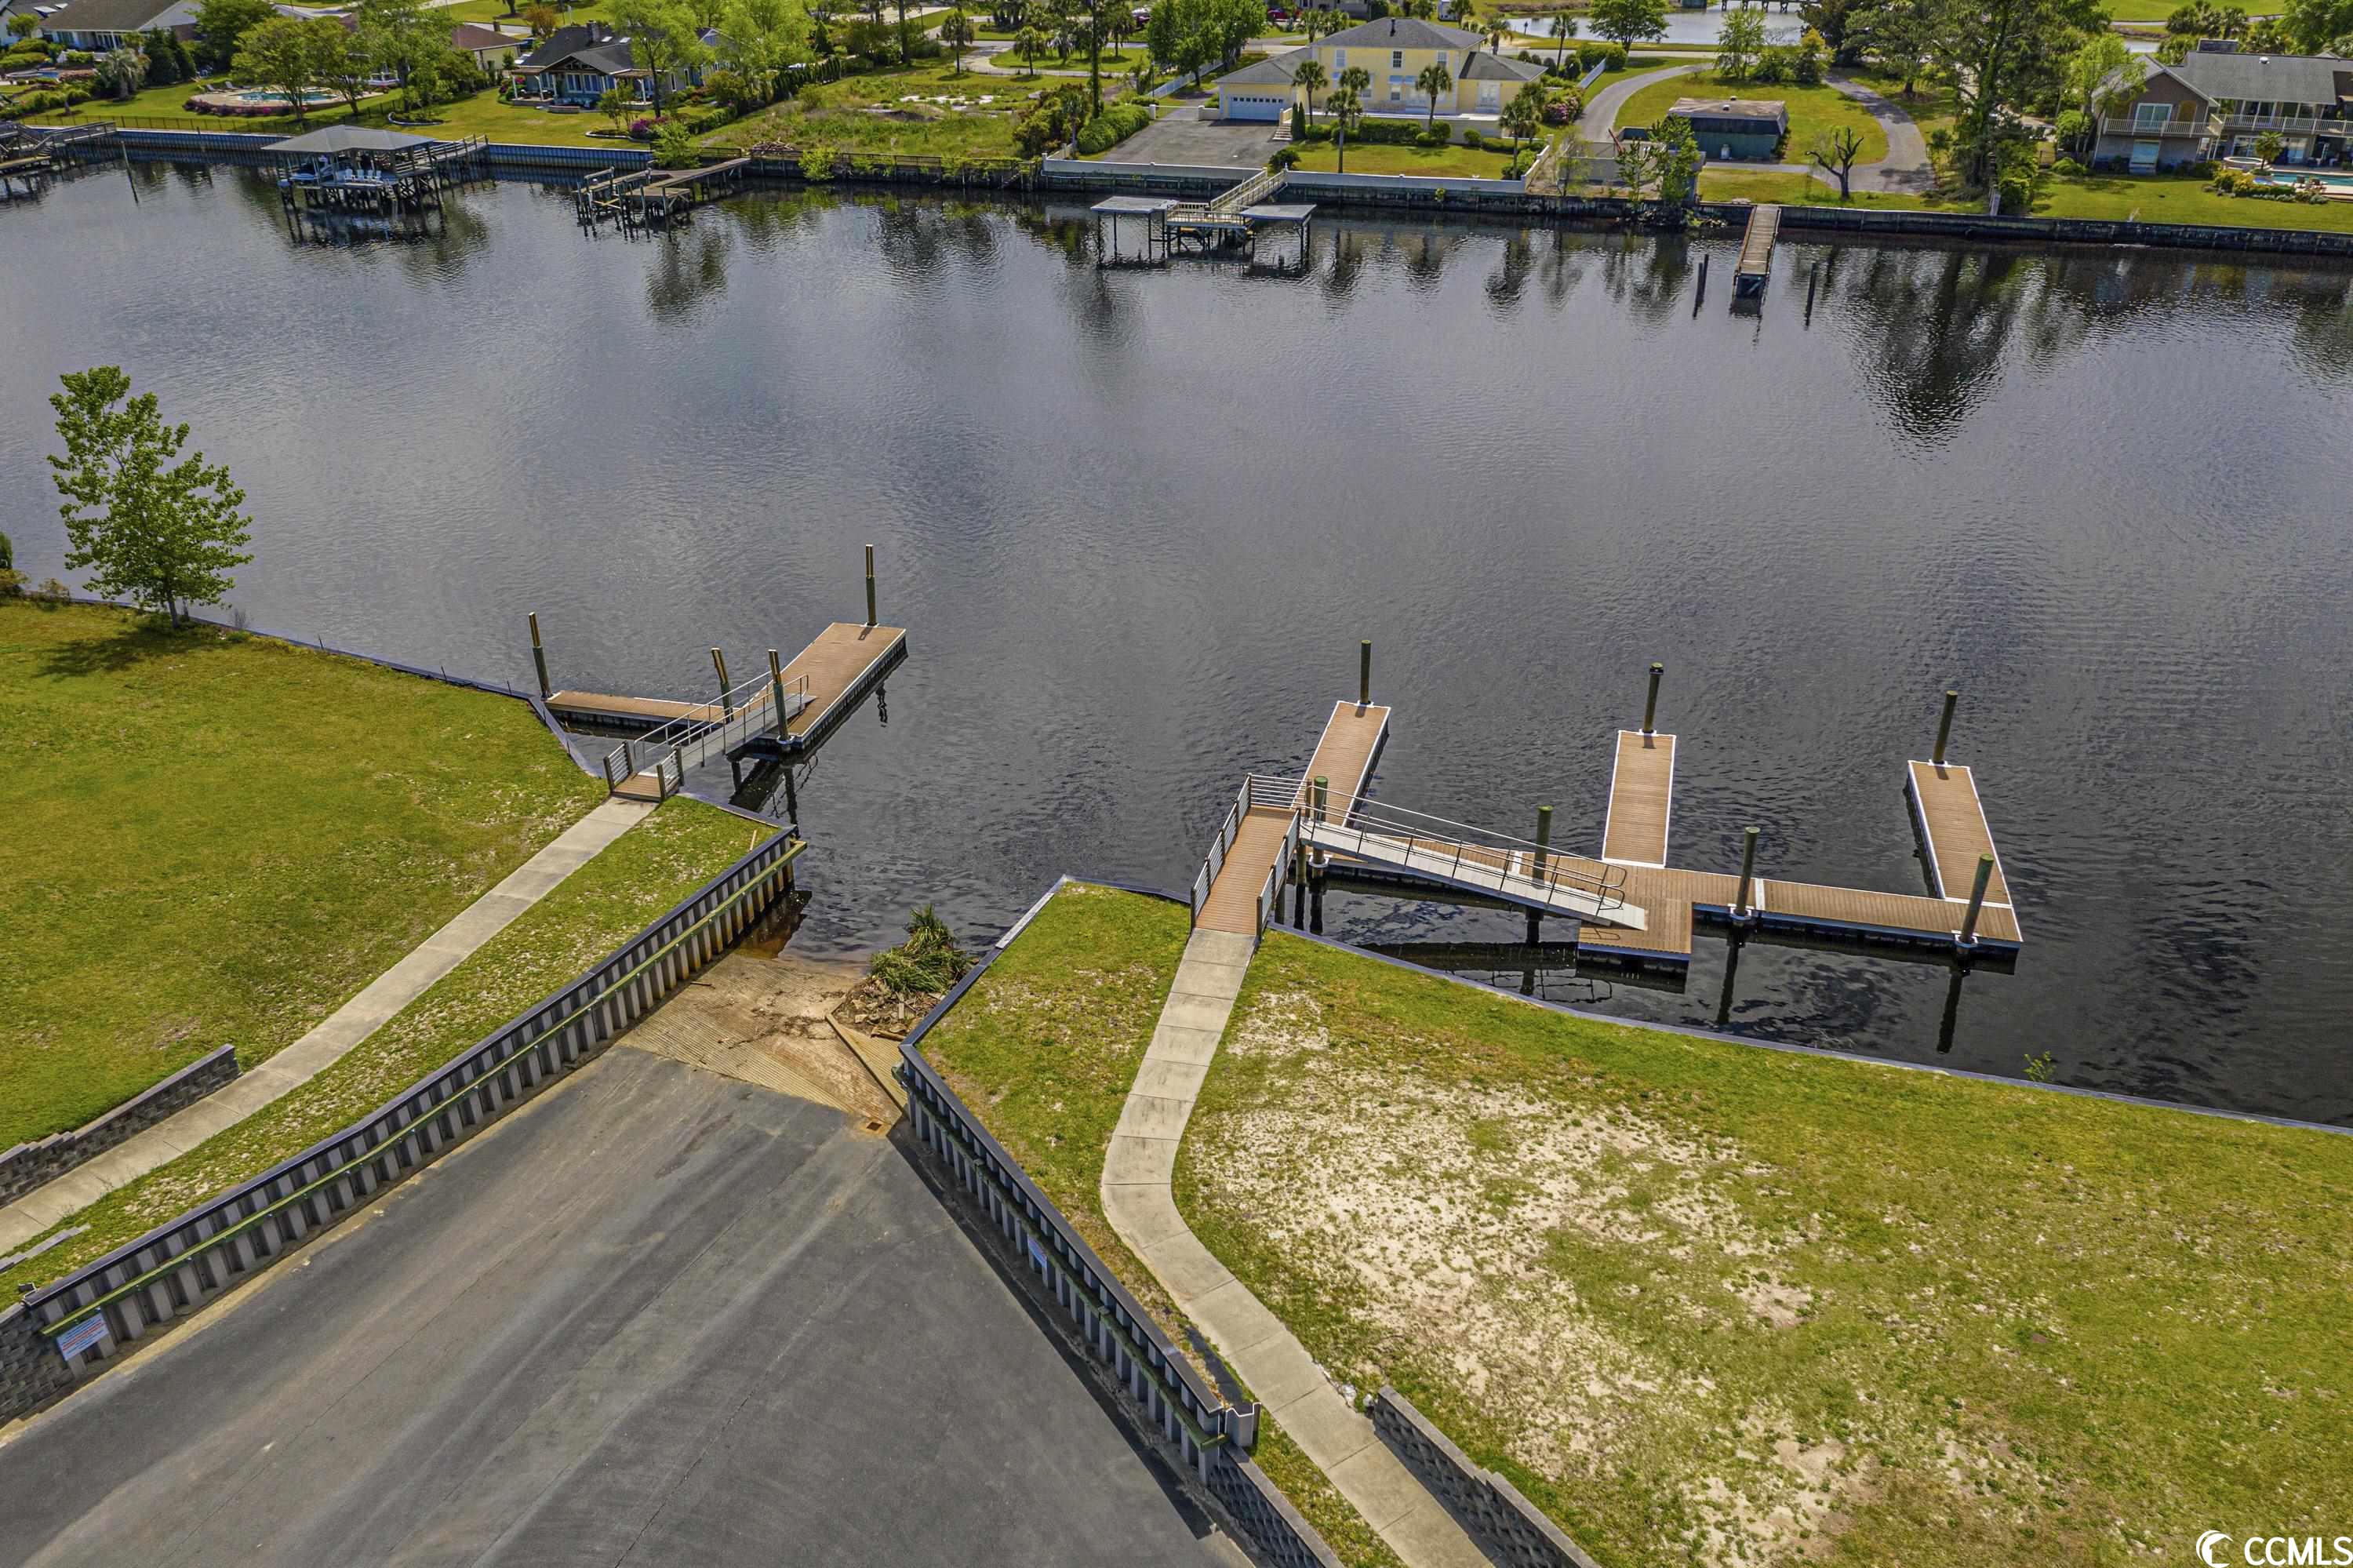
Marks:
<point>1905,167</point>
<point>1136,1199</point>
<point>350,1024</point>
<point>1600,116</point>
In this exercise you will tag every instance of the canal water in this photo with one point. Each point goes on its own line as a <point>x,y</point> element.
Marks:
<point>1138,521</point>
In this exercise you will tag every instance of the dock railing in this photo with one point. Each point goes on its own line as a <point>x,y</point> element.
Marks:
<point>691,741</point>
<point>1466,853</point>
<point>1214,861</point>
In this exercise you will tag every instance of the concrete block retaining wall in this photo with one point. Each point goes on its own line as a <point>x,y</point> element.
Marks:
<point>1208,1439</point>
<point>81,1320</point>
<point>31,1165</point>
<point>1508,1527</point>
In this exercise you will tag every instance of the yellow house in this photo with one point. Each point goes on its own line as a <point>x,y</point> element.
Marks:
<point>1393,51</point>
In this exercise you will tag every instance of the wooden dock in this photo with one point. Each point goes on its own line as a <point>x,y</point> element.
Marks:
<point>835,671</point>
<point>1755,252</point>
<point>1635,822</point>
<point>1344,754</point>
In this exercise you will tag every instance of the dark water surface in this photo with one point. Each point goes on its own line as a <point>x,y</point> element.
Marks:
<point>1137,523</point>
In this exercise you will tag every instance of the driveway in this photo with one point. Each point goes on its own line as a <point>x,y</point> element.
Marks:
<point>1181,136</point>
<point>1600,116</point>
<point>1906,166</point>
<point>657,1316</point>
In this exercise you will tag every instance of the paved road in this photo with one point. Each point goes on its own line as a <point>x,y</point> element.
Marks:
<point>658,1317</point>
<point>1600,116</point>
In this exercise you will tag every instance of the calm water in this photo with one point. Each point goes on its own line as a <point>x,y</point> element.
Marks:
<point>1138,522</point>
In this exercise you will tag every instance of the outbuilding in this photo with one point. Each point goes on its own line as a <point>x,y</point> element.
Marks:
<point>1735,127</point>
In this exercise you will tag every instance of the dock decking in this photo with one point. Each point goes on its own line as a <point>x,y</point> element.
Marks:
<point>1635,823</point>
<point>1755,252</point>
<point>1344,756</point>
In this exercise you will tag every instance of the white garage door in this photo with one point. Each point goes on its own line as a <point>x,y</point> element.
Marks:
<point>1255,106</point>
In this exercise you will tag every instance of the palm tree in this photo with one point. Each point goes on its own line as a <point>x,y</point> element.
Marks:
<point>1345,112</point>
<point>1309,77</point>
<point>1525,116</point>
<point>1030,43</point>
<point>1433,82</point>
<point>1317,22</point>
<point>1357,80</point>
<point>956,34</point>
<point>1498,27</point>
<point>1563,27</point>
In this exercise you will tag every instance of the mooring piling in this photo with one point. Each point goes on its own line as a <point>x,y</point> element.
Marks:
<point>870,585</point>
<point>1699,295</point>
<point>1813,276</point>
<point>1977,901</point>
<point>792,798</point>
<point>1651,704</point>
<point>1741,909</point>
<point>777,692</point>
<point>1364,675</point>
<point>726,700</point>
<point>539,657</point>
<point>1537,869</point>
<point>1945,724</point>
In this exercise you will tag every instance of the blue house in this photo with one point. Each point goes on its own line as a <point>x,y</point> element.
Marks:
<point>581,63</point>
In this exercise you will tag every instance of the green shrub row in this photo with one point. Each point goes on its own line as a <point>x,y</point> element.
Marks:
<point>1115,125</point>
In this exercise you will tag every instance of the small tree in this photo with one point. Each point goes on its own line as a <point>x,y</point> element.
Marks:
<point>1836,151</point>
<point>1347,114</point>
<point>21,24</point>
<point>1525,116</point>
<point>1667,162</point>
<point>1310,78</point>
<point>1563,27</point>
<point>291,55</point>
<point>122,71</point>
<point>957,32</point>
<point>161,532</point>
<point>662,39</point>
<point>1433,83</point>
<point>540,20</point>
<point>2269,146</point>
<point>1030,43</point>
<point>1359,80</point>
<point>615,103</point>
<point>1628,22</point>
<point>1740,43</point>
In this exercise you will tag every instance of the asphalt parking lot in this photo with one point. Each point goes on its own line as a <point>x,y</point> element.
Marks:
<point>658,1317</point>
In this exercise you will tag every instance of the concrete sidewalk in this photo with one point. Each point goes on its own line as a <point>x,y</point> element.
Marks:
<point>1137,1169</point>
<point>354,1021</point>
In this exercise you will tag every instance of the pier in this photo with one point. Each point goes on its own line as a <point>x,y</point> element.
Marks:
<point>654,198</point>
<point>1756,263</point>
<point>780,716</point>
<point>1240,219</point>
<point>1633,908</point>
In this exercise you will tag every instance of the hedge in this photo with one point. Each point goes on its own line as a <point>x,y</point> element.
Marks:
<point>1115,125</point>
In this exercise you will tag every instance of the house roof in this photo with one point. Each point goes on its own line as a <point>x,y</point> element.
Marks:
<point>1401,33</point>
<point>349,139</point>
<point>2245,78</point>
<point>1771,110</point>
<point>1273,71</point>
<point>576,39</point>
<point>471,37</point>
<point>1498,67</point>
<point>107,16</point>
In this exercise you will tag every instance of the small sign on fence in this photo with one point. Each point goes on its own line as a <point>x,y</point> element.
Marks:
<point>81,1336</point>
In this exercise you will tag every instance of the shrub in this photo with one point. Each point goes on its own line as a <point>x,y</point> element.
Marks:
<point>1317,133</point>
<point>1775,65</point>
<point>1473,140</point>
<point>2067,166</point>
<point>1283,158</point>
<point>641,130</point>
<point>1614,56</point>
<point>927,963</point>
<point>1115,125</point>
<point>1435,136</point>
<point>1298,121</point>
<point>1568,106</point>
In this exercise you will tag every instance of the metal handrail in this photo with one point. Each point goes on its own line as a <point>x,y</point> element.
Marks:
<point>1415,831</point>
<point>737,708</point>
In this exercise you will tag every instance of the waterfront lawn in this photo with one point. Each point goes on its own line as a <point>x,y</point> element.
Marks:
<point>1044,1048</point>
<point>217,839</point>
<point>1729,182</point>
<point>1703,1301</point>
<point>2179,198</point>
<point>1453,160</point>
<point>1812,110</point>
<point>637,878</point>
<point>864,114</point>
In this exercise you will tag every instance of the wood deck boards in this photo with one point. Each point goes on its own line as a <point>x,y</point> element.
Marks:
<point>1756,241</point>
<point>1642,800</point>
<point>1344,754</point>
<point>1232,903</point>
<point>1955,823</point>
<point>650,711</point>
<point>837,664</point>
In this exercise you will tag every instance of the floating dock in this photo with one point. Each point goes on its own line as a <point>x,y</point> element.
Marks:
<point>1632,907</point>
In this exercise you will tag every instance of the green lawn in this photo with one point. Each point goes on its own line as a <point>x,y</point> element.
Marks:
<point>841,115</point>
<point>2153,10</point>
<point>1812,110</point>
<point>1387,158</point>
<point>1729,182</point>
<point>2180,198</point>
<point>639,877</point>
<point>219,839</point>
<point>1044,1049</point>
<point>1116,64</point>
<point>1710,1303</point>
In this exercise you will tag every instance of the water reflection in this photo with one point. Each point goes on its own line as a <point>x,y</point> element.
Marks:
<point>1138,521</point>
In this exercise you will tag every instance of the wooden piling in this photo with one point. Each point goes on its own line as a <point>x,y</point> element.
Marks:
<point>539,657</point>
<point>1543,840</point>
<point>1741,907</point>
<point>870,585</point>
<point>1365,674</point>
<point>1651,704</point>
<point>1977,901</point>
<point>1945,724</point>
<point>792,800</point>
<point>726,702</point>
<point>777,694</point>
<point>1322,796</point>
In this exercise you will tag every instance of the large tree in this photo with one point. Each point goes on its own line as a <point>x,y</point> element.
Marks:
<point>662,39</point>
<point>402,36</point>
<point>766,38</point>
<point>2002,56</point>
<point>2318,25</point>
<point>1740,44</point>
<point>293,56</point>
<point>1629,22</point>
<point>147,525</point>
<point>221,26</point>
